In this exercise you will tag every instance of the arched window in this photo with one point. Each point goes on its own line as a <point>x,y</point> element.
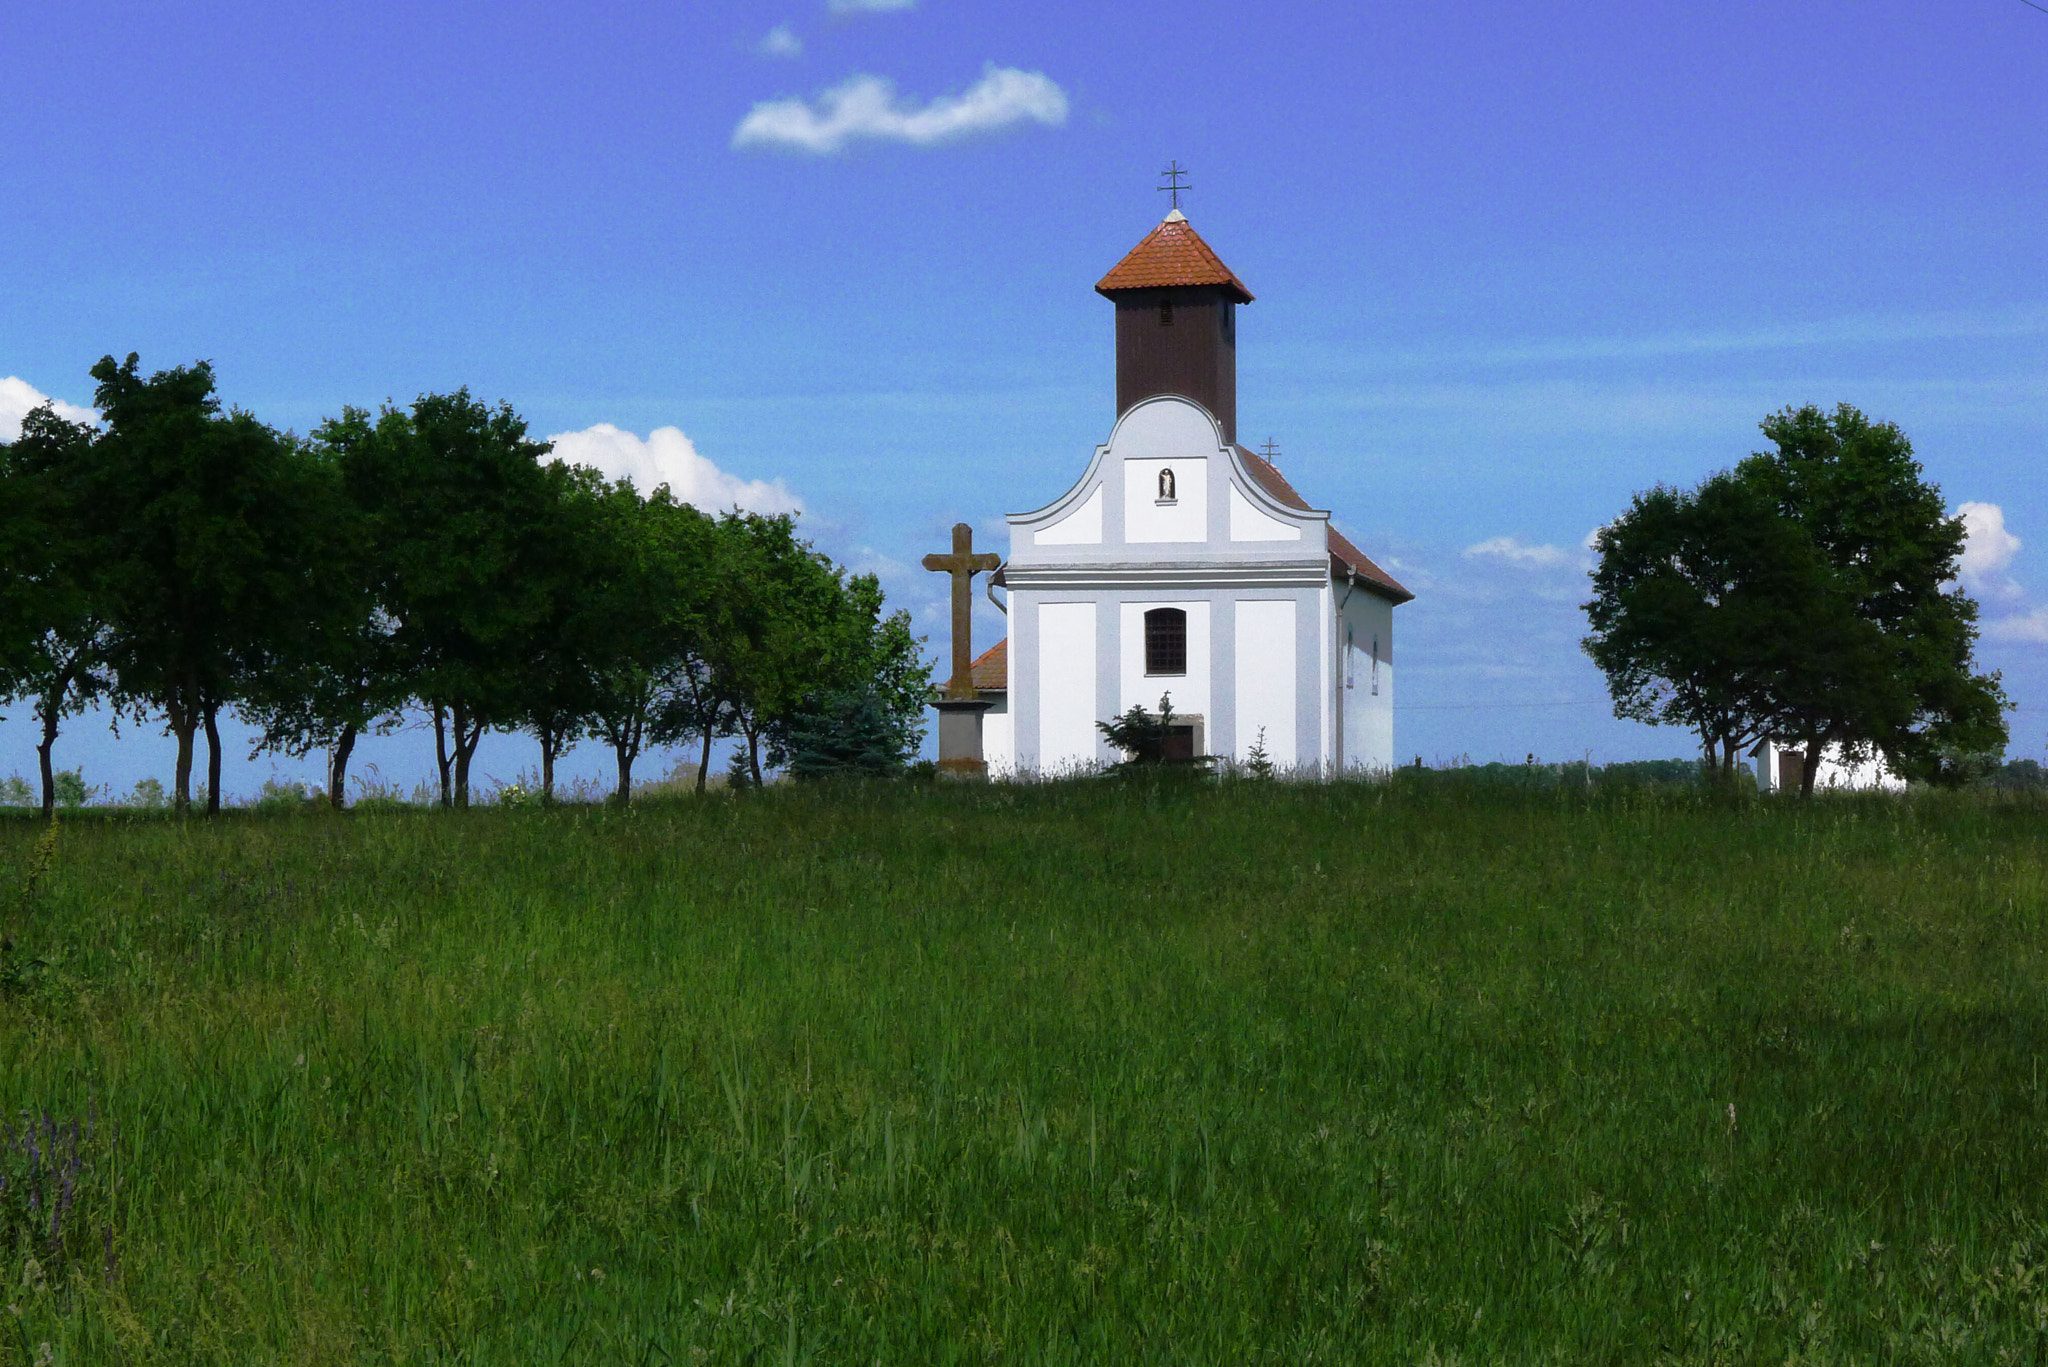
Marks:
<point>1166,313</point>
<point>1375,664</point>
<point>1166,641</point>
<point>1166,494</point>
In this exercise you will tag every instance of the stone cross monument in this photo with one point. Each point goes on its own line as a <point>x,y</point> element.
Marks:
<point>960,707</point>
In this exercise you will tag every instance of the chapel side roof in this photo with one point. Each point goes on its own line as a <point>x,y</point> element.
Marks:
<point>1173,255</point>
<point>1344,557</point>
<point>991,669</point>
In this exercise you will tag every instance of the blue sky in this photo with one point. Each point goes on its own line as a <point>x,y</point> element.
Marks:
<point>1513,262</point>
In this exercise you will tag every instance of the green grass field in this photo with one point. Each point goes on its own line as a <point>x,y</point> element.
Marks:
<point>1081,1073</point>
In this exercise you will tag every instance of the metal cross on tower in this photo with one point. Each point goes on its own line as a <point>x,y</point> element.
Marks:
<point>1271,451</point>
<point>1171,175</point>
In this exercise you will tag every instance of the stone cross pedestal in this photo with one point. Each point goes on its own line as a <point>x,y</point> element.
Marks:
<point>960,707</point>
<point>960,753</point>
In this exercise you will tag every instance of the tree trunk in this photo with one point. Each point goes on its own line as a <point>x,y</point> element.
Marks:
<point>48,708</point>
<point>548,746</point>
<point>183,724</point>
<point>704,763</point>
<point>212,711</point>
<point>626,741</point>
<point>441,753</point>
<point>337,767</point>
<point>625,751</point>
<point>459,720</point>
<point>754,754</point>
<point>467,736</point>
<point>1810,770</point>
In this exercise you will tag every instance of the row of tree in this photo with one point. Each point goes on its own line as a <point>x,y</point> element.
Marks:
<point>1808,596</point>
<point>178,561</point>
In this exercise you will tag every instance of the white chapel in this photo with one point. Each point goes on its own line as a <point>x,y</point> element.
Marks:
<point>1182,564</point>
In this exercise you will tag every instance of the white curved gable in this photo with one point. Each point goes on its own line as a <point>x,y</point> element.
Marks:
<point>1165,428</point>
<point>1247,523</point>
<point>1081,527</point>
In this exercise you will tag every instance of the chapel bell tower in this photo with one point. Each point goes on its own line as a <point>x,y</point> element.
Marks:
<point>1176,330</point>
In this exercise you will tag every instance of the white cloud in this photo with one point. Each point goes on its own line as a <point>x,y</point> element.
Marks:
<point>868,560</point>
<point>1519,553</point>
<point>870,6</point>
<point>780,42</point>
<point>2031,627</point>
<point>668,457</point>
<point>18,398</point>
<point>1987,549</point>
<point>867,107</point>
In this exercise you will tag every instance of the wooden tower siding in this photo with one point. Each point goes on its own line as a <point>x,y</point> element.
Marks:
<point>1194,356</point>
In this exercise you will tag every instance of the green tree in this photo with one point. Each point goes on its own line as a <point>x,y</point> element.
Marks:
<point>845,735</point>
<point>341,678</point>
<point>1884,662</point>
<point>788,629</point>
<point>1697,600</point>
<point>1143,737</point>
<point>1806,596</point>
<point>868,669</point>
<point>459,509</point>
<point>577,558</point>
<point>52,627</point>
<point>209,519</point>
<point>647,613</point>
<point>696,705</point>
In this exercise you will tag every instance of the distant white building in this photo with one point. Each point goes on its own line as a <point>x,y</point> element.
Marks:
<point>1182,564</point>
<point>1777,770</point>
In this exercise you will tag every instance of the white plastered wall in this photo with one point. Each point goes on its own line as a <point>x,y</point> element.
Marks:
<point>1150,518</point>
<point>1249,524</point>
<point>1365,678</point>
<point>1066,686</point>
<point>1265,686</point>
<point>1081,527</point>
<point>999,735</point>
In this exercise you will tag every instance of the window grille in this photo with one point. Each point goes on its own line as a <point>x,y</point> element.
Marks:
<point>1166,641</point>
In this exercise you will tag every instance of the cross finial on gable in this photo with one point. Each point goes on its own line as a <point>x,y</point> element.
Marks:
<point>1171,175</point>
<point>1271,451</point>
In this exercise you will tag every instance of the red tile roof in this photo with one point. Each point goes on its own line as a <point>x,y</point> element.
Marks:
<point>1173,255</point>
<point>1345,558</point>
<point>991,669</point>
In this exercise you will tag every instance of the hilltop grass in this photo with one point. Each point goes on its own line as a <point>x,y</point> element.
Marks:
<point>1080,1073</point>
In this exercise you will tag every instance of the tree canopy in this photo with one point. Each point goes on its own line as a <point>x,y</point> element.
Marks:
<point>182,560</point>
<point>1807,596</point>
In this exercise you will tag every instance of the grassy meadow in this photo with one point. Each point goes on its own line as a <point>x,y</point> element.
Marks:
<point>1423,1072</point>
